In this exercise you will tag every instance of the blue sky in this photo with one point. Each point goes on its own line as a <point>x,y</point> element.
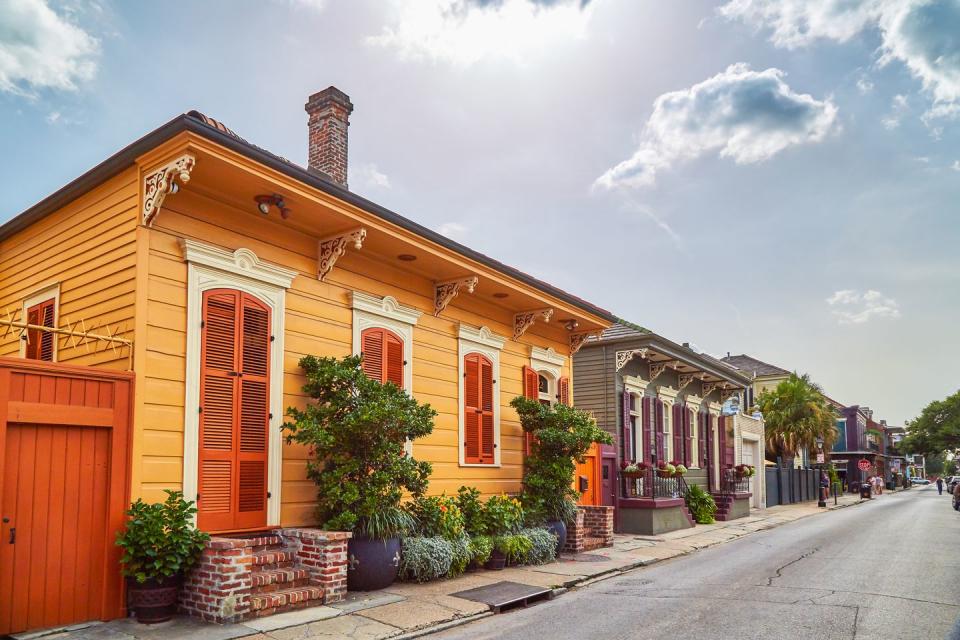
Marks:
<point>777,178</point>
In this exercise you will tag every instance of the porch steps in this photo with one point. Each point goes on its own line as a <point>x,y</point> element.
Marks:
<point>724,506</point>
<point>688,515</point>
<point>278,584</point>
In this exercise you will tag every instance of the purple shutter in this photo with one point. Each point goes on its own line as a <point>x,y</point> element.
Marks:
<point>648,428</point>
<point>626,451</point>
<point>677,433</point>
<point>688,437</point>
<point>658,428</point>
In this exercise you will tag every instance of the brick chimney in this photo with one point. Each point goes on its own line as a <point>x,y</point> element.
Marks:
<point>328,118</point>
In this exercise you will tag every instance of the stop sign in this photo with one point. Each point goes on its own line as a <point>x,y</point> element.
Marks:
<point>864,464</point>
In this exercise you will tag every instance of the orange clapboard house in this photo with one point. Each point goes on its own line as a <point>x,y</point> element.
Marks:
<point>209,267</point>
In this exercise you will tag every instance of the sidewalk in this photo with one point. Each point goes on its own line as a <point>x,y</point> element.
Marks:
<point>410,610</point>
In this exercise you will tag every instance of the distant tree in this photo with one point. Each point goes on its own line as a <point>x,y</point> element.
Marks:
<point>796,414</point>
<point>934,464</point>
<point>936,430</point>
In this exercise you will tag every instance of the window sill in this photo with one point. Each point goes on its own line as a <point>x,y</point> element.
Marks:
<point>492,465</point>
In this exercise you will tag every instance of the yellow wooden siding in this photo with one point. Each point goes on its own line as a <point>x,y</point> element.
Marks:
<point>88,247</point>
<point>318,321</point>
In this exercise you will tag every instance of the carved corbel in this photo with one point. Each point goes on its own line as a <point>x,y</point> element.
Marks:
<point>445,292</point>
<point>524,320</point>
<point>623,357</point>
<point>726,394</point>
<point>158,184</point>
<point>332,248</point>
<point>577,339</point>
<point>709,387</point>
<point>687,378</point>
<point>656,368</point>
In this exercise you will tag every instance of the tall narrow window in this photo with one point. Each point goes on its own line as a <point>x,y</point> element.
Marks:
<point>478,410</point>
<point>40,343</point>
<point>383,358</point>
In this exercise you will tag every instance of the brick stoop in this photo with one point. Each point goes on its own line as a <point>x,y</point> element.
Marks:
<point>724,506</point>
<point>688,515</point>
<point>242,578</point>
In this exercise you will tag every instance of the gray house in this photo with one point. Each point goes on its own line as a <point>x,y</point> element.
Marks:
<point>666,403</point>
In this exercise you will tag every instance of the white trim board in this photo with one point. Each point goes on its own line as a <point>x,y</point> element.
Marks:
<point>385,313</point>
<point>210,267</point>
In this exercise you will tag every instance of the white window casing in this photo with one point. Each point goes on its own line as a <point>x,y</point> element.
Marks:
<point>488,344</point>
<point>693,403</point>
<point>549,364</point>
<point>210,267</point>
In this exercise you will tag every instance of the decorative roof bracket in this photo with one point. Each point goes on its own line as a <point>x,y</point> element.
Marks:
<point>446,291</point>
<point>332,248</point>
<point>158,184</point>
<point>623,357</point>
<point>525,319</point>
<point>687,378</point>
<point>577,339</point>
<point>656,368</point>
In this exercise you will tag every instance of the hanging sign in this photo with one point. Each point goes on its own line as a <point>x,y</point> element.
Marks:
<point>864,464</point>
<point>820,457</point>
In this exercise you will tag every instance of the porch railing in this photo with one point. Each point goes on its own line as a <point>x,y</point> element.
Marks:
<point>731,482</point>
<point>648,484</point>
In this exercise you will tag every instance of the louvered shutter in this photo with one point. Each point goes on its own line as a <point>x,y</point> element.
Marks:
<point>727,442</point>
<point>688,437</point>
<point>531,390</point>
<point>626,405</point>
<point>658,430</point>
<point>648,438</point>
<point>478,395</point>
<point>234,418</point>
<point>40,343</point>
<point>371,347</point>
<point>486,406</point>
<point>701,425</point>
<point>393,363</point>
<point>677,412</point>
<point>563,394</point>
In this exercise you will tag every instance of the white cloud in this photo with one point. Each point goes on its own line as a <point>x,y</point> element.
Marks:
<point>41,50</point>
<point>920,34</point>
<point>956,165</point>
<point>746,115</point>
<point>453,230</point>
<point>854,307</point>
<point>463,32</point>
<point>864,85</point>
<point>898,107</point>
<point>367,176</point>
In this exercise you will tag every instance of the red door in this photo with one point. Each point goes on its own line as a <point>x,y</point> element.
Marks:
<point>234,412</point>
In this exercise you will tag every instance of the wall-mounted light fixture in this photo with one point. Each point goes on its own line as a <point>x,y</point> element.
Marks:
<point>264,202</point>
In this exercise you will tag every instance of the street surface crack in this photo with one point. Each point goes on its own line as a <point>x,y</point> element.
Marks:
<point>779,571</point>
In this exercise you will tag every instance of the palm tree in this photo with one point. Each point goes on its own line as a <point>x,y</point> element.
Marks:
<point>796,416</point>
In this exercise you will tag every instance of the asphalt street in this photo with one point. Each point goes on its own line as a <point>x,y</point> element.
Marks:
<point>886,569</point>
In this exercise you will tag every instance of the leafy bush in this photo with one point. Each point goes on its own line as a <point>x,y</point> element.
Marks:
<point>480,548</point>
<point>502,515</point>
<point>356,431</point>
<point>468,500</point>
<point>160,539</point>
<point>437,516</point>
<point>562,436</point>
<point>544,543</point>
<point>462,555</point>
<point>425,559</point>
<point>701,504</point>
<point>515,547</point>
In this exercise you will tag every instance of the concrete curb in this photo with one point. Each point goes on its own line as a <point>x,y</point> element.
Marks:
<point>443,626</point>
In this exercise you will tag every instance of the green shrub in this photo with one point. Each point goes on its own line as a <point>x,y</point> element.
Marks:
<point>480,548</point>
<point>515,547</point>
<point>502,515</point>
<point>468,500</point>
<point>437,516</point>
<point>160,539</point>
<point>701,504</point>
<point>544,543</point>
<point>563,435</point>
<point>462,555</point>
<point>425,559</point>
<point>356,430</point>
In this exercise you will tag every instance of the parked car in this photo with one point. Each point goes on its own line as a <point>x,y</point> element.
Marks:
<point>919,481</point>
<point>951,483</point>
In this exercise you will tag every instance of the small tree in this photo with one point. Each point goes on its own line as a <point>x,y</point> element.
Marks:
<point>562,436</point>
<point>937,429</point>
<point>356,431</point>
<point>796,415</point>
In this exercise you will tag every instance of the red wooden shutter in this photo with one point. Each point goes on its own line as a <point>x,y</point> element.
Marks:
<point>40,343</point>
<point>648,438</point>
<point>383,357</point>
<point>563,393</point>
<point>371,348</point>
<point>531,390</point>
<point>626,449</point>
<point>393,363</point>
<point>677,433</point>
<point>478,400</point>
<point>701,425</point>
<point>235,408</point>
<point>688,438</point>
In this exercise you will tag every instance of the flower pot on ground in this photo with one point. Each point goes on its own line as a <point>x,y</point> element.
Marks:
<point>559,529</point>
<point>356,431</point>
<point>496,562</point>
<point>160,544</point>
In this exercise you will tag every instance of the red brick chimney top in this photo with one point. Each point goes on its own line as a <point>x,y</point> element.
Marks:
<point>328,114</point>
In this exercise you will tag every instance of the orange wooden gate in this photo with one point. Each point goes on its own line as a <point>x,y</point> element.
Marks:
<point>586,479</point>
<point>64,486</point>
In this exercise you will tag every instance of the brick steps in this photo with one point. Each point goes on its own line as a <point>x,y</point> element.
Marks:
<point>724,505</point>
<point>266,604</point>
<point>273,577</point>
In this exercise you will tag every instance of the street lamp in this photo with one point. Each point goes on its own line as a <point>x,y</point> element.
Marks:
<point>821,498</point>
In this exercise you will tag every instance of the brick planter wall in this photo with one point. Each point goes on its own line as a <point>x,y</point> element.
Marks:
<point>592,529</point>
<point>242,578</point>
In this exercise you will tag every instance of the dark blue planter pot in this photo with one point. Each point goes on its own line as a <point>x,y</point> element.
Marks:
<point>372,564</point>
<point>559,529</point>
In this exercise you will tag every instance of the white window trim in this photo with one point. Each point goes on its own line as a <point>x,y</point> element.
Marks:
<point>547,361</point>
<point>637,386</point>
<point>210,267</point>
<point>668,395</point>
<point>693,403</point>
<point>385,313</point>
<point>488,344</point>
<point>42,295</point>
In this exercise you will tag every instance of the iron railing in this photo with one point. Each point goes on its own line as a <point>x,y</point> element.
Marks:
<point>649,484</point>
<point>731,482</point>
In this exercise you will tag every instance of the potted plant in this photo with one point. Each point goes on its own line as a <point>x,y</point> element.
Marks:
<point>678,468</point>
<point>633,469</point>
<point>562,436</point>
<point>666,470</point>
<point>503,516</point>
<point>160,544</point>
<point>356,431</point>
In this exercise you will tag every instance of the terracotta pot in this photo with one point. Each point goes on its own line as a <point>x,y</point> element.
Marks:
<point>664,474</point>
<point>155,600</point>
<point>496,562</point>
<point>372,564</point>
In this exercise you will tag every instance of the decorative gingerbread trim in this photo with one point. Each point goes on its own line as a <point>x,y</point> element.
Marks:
<point>578,339</point>
<point>158,184</point>
<point>709,387</point>
<point>331,249</point>
<point>656,368</point>
<point>687,378</point>
<point>446,291</point>
<point>726,394</point>
<point>623,357</point>
<point>524,320</point>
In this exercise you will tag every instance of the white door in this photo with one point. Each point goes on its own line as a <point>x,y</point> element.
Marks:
<point>749,457</point>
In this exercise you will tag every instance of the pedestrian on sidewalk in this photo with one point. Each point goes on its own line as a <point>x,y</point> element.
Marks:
<point>879,481</point>
<point>940,486</point>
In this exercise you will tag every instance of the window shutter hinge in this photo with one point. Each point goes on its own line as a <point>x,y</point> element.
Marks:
<point>268,494</point>
<point>272,338</point>
<point>200,410</point>
<point>202,324</point>
<point>270,416</point>
<point>198,497</point>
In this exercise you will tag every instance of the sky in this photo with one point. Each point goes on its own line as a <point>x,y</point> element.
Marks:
<point>779,178</point>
